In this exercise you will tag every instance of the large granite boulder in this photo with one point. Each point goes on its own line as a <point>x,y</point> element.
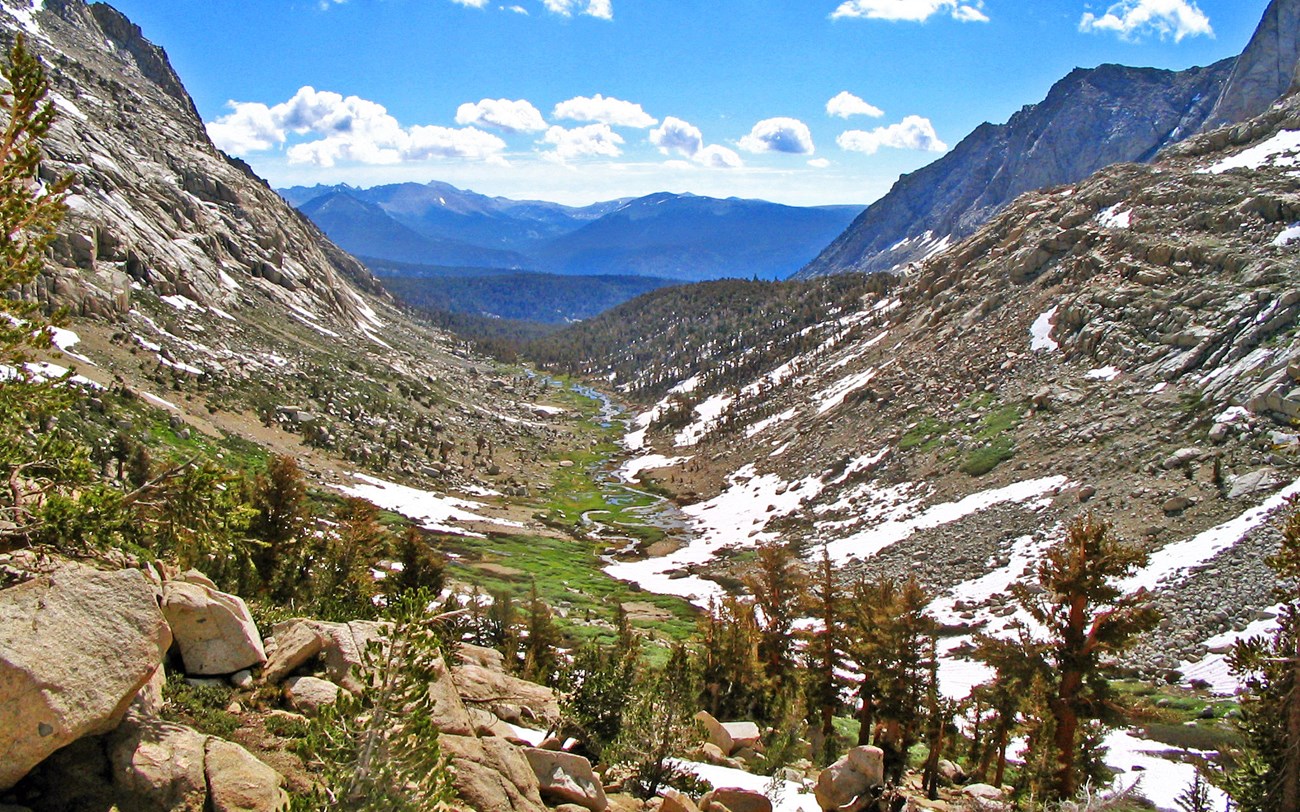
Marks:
<point>846,785</point>
<point>214,630</point>
<point>565,778</point>
<point>492,774</point>
<point>76,647</point>
<point>342,646</point>
<point>239,782</point>
<point>158,766</point>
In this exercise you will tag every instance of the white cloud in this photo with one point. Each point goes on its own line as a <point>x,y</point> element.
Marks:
<point>966,11</point>
<point>517,10</point>
<point>503,114</point>
<point>718,157</point>
<point>819,163</point>
<point>470,3</point>
<point>593,140</point>
<point>788,135</point>
<point>679,137</point>
<point>675,135</point>
<point>601,9</point>
<point>846,104</point>
<point>603,110</point>
<point>347,129</point>
<point>1134,19</point>
<point>912,132</point>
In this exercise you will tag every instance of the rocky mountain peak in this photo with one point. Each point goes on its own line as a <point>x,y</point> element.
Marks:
<point>155,206</point>
<point>1265,70</point>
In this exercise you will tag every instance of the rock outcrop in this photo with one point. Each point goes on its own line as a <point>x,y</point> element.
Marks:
<point>1265,71</point>
<point>76,647</point>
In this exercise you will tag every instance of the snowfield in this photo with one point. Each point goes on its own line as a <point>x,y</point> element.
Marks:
<point>430,510</point>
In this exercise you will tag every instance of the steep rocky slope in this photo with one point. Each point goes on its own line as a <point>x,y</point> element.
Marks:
<point>195,286</point>
<point>1265,69</point>
<point>1125,345</point>
<point>1090,119</point>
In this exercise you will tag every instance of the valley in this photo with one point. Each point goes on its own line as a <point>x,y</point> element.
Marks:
<point>993,504</point>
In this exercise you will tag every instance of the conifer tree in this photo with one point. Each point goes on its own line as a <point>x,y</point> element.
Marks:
<point>825,652</point>
<point>280,499</point>
<point>659,724</point>
<point>541,647</point>
<point>778,587</point>
<point>1268,773</point>
<point>1088,621</point>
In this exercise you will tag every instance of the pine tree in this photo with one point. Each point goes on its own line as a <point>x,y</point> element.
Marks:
<point>778,587</point>
<point>378,751</point>
<point>1268,775</point>
<point>1088,620</point>
<point>541,647</point>
<point>824,654</point>
<point>659,724</point>
<point>421,566</point>
<point>280,499</point>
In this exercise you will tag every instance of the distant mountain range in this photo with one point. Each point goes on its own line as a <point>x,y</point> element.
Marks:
<point>681,237</point>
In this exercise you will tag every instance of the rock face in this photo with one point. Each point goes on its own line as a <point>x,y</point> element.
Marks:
<point>75,649</point>
<point>341,645</point>
<point>492,774</point>
<point>159,766</point>
<point>214,630</point>
<point>509,698</point>
<point>154,202</point>
<point>1266,70</point>
<point>735,800</point>
<point>1089,120</point>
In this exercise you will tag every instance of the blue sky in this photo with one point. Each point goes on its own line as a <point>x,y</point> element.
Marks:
<point>584,100</point>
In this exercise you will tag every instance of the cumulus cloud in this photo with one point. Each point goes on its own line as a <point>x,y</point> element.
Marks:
<point>471,3</point>
<point>593,140</point>
<point>966,11</point>
<point>846,104</point>
<point>603,110</point>
<point>819,163</point>
<point>677,137</point>
<point>601,9</point>
<point>503,114</point>
<point>912,132</point>
<point>345,129</point>
<point>788,135</point>
<point>1134,19</point>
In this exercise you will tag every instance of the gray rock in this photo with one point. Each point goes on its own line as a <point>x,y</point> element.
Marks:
<point>239,782</point>
<point>308,695</point>
<point>76,647</point>
<point>566,778</point>
<point>1265,70</point>
<point>1263,480</point>
<point>214,630</point>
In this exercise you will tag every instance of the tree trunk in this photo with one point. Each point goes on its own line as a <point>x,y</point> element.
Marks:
<point>1290,778</point>
<point>1067,727</point>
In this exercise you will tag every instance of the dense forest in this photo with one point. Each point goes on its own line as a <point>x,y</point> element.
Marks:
<point>653,342</point>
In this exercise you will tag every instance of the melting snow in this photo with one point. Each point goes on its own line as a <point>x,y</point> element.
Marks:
<point>1173,561</point>
<point>1213,667</point>
<point>834,395</point>
<point>431,510</point>
<point>1277,151</point>
<point>633,468</point>
<point>1103,374</point>
<point>1040,332</point>
<point>1114,218</point>
<point>767,423</point>
<point>1159,779</point>
<point>786,796</point>
<point>182,303</point>
<point>1288,236</point>
<point>872,540</point>
<point>707,415</point>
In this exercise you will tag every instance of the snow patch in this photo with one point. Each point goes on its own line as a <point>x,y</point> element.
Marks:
<point>1040,332</point>
<point>1159,779</point>
<point>1280,150</point>
<point>1107,373</point>
<point>432,511</point>
<point>633,468</point>
<point>1114,218</point>
<point>1288,236</point>
<point>786,796</point>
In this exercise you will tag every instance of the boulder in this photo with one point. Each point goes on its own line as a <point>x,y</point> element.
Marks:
<point>985,792</point>
<point>492,774</point>
<point>743,734</point>
<point>495,691</point>
<point>76,647</point>
<point>308,695</point>
<point>488,658</point>
<point>342,645</point>
<point>1181,458</point>
<point>845,785</point>
<point>735,800</point>
<point>566,778</point>
<point>675,801</point>
<point>238,782</point>
<point>158,766</point>
<point>715,732</point>
<point>449,714</point>
<point>1263,480</point>
<point>214,630</point>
